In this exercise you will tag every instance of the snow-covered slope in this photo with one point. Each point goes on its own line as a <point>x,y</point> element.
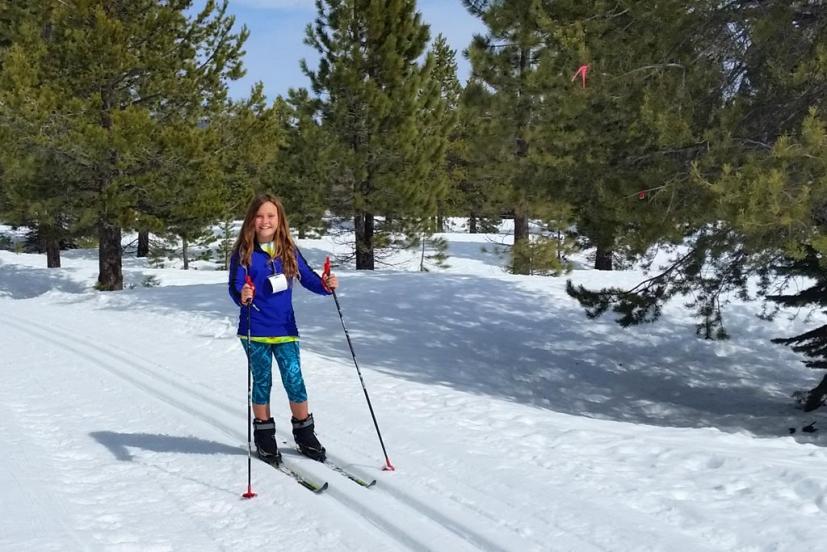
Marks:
<point>514,422</point>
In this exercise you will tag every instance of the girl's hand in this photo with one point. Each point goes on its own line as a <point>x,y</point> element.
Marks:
<point>246,294</point>
<point>332,282</point>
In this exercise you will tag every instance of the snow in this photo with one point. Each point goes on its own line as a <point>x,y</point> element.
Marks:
<point>515,423</point>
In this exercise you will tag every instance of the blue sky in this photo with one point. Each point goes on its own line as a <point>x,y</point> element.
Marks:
<point>276,39</point>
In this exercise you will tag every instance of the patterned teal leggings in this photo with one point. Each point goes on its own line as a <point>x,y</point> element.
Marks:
<point>261,364</point>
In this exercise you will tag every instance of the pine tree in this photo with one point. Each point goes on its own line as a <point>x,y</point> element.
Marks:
<point>376,104</point>
<point>445,176</point>
<point>299,172</point>
<point>251,133</point>
<point>227,236</point>
<point>505,61</point>
<point>759,191</point>
<point>35,195</point>
<point>433,250</point>
<point>439,123</point>
<point>477,192</point>
<point>34,182</point>
<point>631,91</point>
<point>100,87</point>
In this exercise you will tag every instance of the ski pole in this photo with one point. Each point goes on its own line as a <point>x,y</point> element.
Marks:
<point>388,466</point>
<point>249,494</point>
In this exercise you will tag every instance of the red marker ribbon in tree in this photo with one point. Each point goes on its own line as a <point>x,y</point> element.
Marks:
<point>582,72</point>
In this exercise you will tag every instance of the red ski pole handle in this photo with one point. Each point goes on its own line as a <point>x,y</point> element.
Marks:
<point>326,273</point>
<point>249,282</point>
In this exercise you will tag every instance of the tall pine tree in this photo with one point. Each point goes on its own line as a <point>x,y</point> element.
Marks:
<point>99,87</point>
<point>505,61</point>
<point>624,107</point>
<point>759,191</point>
<point>377,105</point>
<point>299,173</point>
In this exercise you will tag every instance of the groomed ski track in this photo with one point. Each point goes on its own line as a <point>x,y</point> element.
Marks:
<point>397,514</point>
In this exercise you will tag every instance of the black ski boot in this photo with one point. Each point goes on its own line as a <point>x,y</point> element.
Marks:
<point>265,439</point>
<point>305,436</point>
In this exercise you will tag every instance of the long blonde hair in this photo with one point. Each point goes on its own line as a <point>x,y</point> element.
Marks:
<point>283,242</point>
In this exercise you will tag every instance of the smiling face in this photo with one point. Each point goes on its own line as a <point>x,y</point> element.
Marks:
<point>267,220</point>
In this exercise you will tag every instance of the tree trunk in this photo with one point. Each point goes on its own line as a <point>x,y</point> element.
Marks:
<point>472,224</point>
<point>52,247</point>
<point>184,247</point>
<point>603,258</point>
<point>110,277</point>
<point>143,244</point>
<point>521,260</point>
<point>363,223</point>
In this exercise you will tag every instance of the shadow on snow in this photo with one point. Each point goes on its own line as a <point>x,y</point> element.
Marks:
<point>20,282</point>
<point>120,443</point>
<point>490,337</point>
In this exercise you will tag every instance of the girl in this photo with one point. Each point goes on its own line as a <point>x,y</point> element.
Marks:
<point>265,256</point>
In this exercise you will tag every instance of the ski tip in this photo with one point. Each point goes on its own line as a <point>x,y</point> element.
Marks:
<point>317,488</point>
<point>367,483</point>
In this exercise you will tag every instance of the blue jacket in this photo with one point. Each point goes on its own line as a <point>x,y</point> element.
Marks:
<point>274,316</point>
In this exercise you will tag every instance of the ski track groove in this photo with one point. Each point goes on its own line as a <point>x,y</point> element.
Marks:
<point>470,537</point>
<point>201,526</point>
<point>95,353</point>
<point>40,504</point>
<point>478,541</point>
<point>390,529</point>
